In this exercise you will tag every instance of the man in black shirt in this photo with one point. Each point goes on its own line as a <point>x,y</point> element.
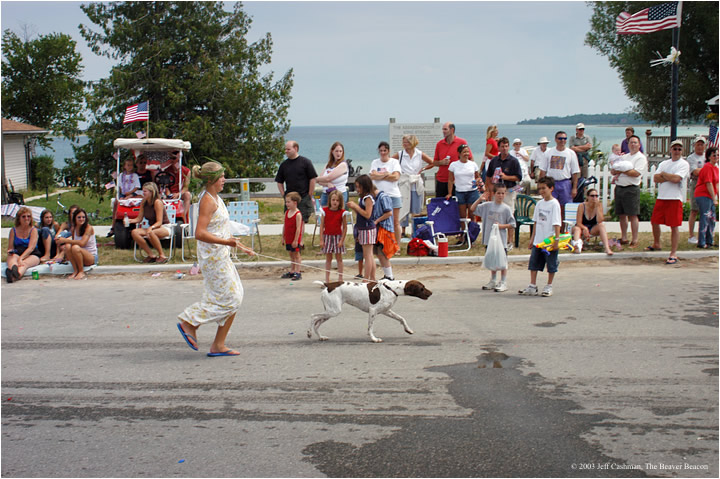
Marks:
<point>297,173</point>
<point>506,169</point>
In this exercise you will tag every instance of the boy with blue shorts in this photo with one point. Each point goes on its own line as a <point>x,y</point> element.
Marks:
<point>547,220</point>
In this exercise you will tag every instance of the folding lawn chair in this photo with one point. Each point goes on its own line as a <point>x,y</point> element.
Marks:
<point>444,217</point>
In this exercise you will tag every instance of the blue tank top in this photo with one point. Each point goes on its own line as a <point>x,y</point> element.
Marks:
<point>362,222</point>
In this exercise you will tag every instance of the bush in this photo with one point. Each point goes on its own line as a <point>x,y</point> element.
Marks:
<point>647,203</point>
<point>43,172</point>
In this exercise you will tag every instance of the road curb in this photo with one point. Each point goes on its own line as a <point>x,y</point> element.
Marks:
<point>404,260</point>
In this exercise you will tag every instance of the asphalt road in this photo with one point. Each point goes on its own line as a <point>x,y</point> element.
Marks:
<point>616,375</point>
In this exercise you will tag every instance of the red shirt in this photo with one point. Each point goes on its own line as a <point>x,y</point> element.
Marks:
<point>708,174</point>
<point>291,228</point>
<point>176,186</point>
<point>444,149</point>
<point>333,221</point>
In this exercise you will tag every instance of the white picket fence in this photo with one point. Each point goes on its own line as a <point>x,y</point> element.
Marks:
<point>607,190</point>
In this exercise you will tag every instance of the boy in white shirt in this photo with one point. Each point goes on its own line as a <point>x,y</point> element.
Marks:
<point>547,220</point>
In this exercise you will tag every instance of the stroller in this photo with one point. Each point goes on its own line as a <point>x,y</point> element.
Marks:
<point>444,218</point>
<point>582,185</point>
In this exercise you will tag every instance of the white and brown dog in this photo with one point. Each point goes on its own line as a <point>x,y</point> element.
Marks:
<point>373,298</point>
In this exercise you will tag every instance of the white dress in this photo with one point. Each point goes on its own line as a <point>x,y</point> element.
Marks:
<point>223,293</point>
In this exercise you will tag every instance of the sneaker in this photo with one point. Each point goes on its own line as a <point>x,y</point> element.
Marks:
<point>577,246</point>
<point>490,285</point>
<point>692,240</point>
<point>359,276</point>
<point>110,234</point>
<point>547,290</point>
<point>389,278</point>
<point>529,291</point>
<point>287,275</point>
<point>501,287</point>
<point>510,247</point>
<point>296,276</point>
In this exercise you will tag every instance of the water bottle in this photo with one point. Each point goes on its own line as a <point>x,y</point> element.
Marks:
<point>126,221</point>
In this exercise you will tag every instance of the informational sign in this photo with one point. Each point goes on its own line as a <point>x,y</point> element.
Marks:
<point>428,134</point>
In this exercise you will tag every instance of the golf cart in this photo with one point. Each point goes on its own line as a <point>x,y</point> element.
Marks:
<point>165,159</point>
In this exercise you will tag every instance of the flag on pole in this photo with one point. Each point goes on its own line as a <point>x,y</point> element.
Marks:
<point>137,112</point>
<point>713,136</point>
<point>140,135</point>
<point>653,19</point>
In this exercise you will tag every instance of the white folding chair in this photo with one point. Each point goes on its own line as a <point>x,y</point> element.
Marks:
<point>171,212</point>
<point>570,215</point>
<point>247,213</point>
<point>188,229</point>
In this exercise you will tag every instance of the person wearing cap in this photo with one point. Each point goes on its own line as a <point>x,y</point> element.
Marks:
<point>538,154</point>
<point>446,151</point>
<point>523,158</point>
<point>561,164</point>
<point>581,145</point>
<point>627,192</point>
<point>629,131</point>
<point>696,161</point>
<point>668,208</point>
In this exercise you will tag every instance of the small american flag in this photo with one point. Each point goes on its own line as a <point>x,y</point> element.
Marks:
<point>140,135</point>
<point>137,112</point>
<point>653,19</point>
<point>713,136</point>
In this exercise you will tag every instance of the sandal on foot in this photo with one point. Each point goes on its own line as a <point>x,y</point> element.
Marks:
<point>161,260</point>
<point>150,259</point>
<point>652,248</point>
<point>229,352</point>
<point>671,260</point>
<point>187,337</point>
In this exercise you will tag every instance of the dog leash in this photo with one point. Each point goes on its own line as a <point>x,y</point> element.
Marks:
<point>309,266</point>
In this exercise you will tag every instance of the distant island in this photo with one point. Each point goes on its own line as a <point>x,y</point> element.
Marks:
<point>596,119</point>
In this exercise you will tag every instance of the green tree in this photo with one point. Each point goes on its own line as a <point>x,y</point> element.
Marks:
<point>41,82</point>
<point>649,87</point>
<point>203,79</point>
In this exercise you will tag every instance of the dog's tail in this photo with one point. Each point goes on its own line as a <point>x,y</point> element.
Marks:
<point>321,284</point>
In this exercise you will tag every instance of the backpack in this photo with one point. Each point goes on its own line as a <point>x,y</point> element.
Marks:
<point>417,247</point>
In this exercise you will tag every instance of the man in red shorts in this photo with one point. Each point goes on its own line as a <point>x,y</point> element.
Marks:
<point>668,209</point>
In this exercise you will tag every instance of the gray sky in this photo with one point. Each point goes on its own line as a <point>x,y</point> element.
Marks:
<point>360,63</point>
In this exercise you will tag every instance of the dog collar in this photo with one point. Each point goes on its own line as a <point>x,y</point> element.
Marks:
<point>388,287</point>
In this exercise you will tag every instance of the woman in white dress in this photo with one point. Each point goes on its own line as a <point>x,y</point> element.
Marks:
<point>412,163</point>
<point>223,292</point>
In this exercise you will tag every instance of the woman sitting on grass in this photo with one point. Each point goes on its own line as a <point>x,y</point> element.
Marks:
<point>153,210</point>
<point>589,222</point>
<point>47,229</point>
<point>22,246</point>
<point>64,231</point>
<point>81,250</point>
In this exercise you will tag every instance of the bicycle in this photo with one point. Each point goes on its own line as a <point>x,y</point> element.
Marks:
<point>60,208</point>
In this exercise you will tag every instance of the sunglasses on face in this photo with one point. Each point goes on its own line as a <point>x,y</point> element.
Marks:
<point>593,196</point>
<point>677,149</point>
<point>562,138</point>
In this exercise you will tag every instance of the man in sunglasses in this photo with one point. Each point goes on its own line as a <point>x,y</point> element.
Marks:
<point>627,192</point>
<point>561,164</point>
<point>668,208</point>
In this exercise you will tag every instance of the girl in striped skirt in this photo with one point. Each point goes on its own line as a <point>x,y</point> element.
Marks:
<point>365,226</point>
<point>333,228</point>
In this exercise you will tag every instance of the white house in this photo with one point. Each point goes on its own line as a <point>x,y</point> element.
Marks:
<point>18,146</point>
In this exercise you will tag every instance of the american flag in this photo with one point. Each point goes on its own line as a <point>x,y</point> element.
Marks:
<point>713,136</point>
<point>653,19</point>
<point>137,112</point>
<point>140,135</point>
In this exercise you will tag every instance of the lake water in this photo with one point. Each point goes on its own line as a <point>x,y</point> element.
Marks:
<point>361,141</point>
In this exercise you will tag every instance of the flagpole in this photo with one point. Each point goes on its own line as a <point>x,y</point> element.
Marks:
<point>148,122</point>
<point>675,79</point>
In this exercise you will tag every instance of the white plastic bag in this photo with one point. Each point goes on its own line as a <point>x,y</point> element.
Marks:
<point>495,258</point>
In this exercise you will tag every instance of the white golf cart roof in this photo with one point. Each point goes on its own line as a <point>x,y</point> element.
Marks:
<point>151,144</point>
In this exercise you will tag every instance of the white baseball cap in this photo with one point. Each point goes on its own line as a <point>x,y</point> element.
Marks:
<point>543,139</point>
<point>580,126</point>
<point>517,140</point>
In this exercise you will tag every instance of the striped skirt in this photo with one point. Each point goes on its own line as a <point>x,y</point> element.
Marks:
<point>367,236</point>
<point>333,244</point>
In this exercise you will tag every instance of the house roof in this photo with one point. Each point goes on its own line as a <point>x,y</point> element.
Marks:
<point>11,127</point>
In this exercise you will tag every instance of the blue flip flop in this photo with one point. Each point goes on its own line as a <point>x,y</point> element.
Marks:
<point>186,337</point>
<point>224,353</point>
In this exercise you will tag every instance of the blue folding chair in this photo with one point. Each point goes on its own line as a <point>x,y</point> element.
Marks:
<point>443,216</point>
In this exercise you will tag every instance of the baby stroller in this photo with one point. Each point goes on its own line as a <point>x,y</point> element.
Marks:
<point>444,218</point>
<point>583,185</point>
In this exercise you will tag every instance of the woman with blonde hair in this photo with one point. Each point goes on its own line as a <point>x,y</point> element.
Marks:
<point>491,149</point>
<point>411,183</point>
<point>223,293</point>
<point>335,176</point>
<point>153,210</point>
<point>23,252</point>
